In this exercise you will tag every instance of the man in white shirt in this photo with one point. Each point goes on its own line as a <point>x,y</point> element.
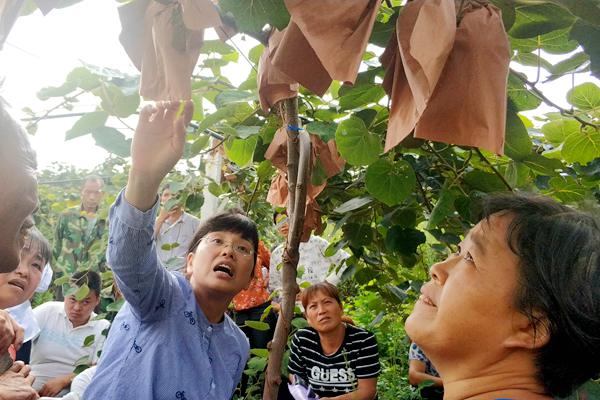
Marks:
<point>317,267</point>
<point>64,327</point>
<point>174,230</point>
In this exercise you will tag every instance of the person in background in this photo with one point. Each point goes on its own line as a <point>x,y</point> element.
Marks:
<point>316,265</point>
<point>64,326</point>
<point>78,230</point>
<point>338,360</point>
<point>421,370</point>
<point>18,201</point>
<point>33,275</point>
<point>250,304</point>
<point>515,312</point>
<point>173,231</point>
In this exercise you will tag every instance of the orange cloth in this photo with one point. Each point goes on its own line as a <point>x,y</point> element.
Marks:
<point>257,293</point>
<point>465,102</point>
<point>164,41</point>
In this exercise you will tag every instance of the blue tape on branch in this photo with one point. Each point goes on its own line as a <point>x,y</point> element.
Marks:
<point>295,128</point>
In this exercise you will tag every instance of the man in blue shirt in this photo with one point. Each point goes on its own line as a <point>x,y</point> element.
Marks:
<point>172,339</point>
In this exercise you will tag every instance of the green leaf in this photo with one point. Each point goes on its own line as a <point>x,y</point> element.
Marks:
<point>264,353</point>
<point>116,102</point>
<point>258,325</point>
<point>585,97</point>
<point>89,340</point>
<point>443,207</point>
<point>390,182</point>
<point>566,189</point>
<point>568,66</point>
<point>84,78</point>
<point>356,145</point>
<point>360,96</point>
<point>240,151</point>
<point>112,141</point>
<point>265,170</point>
<point>215,189</point>
<point>588,10</point>
<point>518,143</point>
<point>325,130</point>
<point>404,240</point>
<point>244,132</point>
<point>299,323</point>
<point>82,292</point>
<point>557,131</point>
<point>234,96</point>
<point>358,234</point>
<point>555,42</point>
<point>255,53</point>
<point>537,20</point>
<point>587,35</point>
<point>53,91</point>
<point>116,306</point>
<point>517,173</point>
<point>86,124</point>
<point>194,201</point>
<point>582,147</point>
<point>352,204</point>
<point>252,16</point>
<point>522,98</point>
<point>508,12</point>
<point>484,181</point>
<point>543,165</point>
<point>199,144</point>
<point>382,31</point>
<point>532,60</point>
<point>216,46</point>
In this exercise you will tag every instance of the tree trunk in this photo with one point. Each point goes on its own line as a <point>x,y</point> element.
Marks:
<point>298,174</point>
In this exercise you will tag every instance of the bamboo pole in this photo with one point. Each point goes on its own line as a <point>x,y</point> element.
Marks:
<point>298,174</point>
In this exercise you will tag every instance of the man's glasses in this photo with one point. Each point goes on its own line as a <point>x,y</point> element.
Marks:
<point>240,248</point>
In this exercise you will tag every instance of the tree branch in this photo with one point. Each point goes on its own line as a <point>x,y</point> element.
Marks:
<point>496,172</point>
<point>568,113</point>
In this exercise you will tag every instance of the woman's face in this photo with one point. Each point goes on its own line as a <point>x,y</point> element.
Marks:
<point>466,311</point>
<point>222,262</point>
<point>323,312</point>
<point>18,286</point>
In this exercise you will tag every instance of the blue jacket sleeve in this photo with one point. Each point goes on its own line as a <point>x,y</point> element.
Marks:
<point>146,285</point>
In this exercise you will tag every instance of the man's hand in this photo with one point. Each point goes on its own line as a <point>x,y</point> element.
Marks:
<point>156,147</point>
<point>10,332</point>
<point>53,387</point>
<point>15,384</point>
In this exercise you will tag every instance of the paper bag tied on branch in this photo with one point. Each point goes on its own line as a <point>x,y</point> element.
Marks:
<point>466,104</point>
<point>324,153</point>
<point>273,85</point>
<point>163,40</point>
<point>324,40</point>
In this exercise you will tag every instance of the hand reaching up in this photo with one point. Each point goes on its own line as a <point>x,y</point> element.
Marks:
<point>157,145</point>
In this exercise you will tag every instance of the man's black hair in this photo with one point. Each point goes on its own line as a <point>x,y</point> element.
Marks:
<point>90,278</point>
<point>559,284</point>
<point>233,220</point>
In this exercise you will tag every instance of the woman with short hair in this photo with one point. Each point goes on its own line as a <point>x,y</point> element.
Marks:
<point>338,360</point>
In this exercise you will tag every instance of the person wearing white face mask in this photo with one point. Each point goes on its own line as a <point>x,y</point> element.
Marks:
<point>23,313</point>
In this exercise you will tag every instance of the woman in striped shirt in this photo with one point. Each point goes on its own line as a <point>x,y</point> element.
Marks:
<point>338,360</point>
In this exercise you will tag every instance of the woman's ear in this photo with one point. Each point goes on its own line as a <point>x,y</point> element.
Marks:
<point>189,264</point>
<point>529,332</point>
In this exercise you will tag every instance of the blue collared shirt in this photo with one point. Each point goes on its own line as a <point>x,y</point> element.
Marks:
<point>161,346</point>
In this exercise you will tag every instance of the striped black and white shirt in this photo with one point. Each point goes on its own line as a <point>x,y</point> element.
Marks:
<point>336,374</point>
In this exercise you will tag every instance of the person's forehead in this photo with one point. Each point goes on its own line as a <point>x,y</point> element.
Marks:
<point>92,184</point>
